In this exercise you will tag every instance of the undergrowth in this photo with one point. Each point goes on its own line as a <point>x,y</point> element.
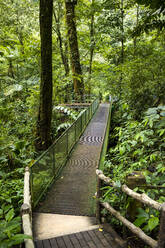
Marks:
<point>136,146</point>
<point>17,137</point>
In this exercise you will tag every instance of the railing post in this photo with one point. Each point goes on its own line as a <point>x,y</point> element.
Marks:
<point>67,145</point>
<point>81,123</point>
<point>31,186</point>
<point>161,239</point>
<point>85,118</point>
<point>90,111</point>
<point>75,131</point>
<point>54,160</point>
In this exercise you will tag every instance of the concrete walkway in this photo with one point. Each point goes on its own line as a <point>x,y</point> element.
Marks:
<point>69,206</point>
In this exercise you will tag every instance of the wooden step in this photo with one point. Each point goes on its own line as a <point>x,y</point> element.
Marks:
<point>96,238</point>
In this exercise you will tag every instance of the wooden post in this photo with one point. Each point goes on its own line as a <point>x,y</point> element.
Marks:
<point>161,239</point>
<point>26,211</point>
<point>98,195</point>
<point>85,118</point>
<point>135,179</point>
<point>53,149</point>
<point>81,123</point>
<point>75,130</point>
<point>67,144</point>
<point>27,186</point>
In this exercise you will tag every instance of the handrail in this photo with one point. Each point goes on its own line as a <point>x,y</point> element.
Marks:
<point>26,211</point>
<point>145,200</point>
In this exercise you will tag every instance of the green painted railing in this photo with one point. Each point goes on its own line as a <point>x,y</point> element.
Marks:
<point>48,166</point>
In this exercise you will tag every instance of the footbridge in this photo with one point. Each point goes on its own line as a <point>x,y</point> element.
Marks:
<point>63,184</point>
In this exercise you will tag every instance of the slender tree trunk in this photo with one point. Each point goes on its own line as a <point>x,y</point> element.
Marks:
<point>64,56</point>
<point>137,22</point>
<point>73,43</point>
<point>92,46</point>
<point>122,31</point>
<point>45,105</point>
<point>122,44</point>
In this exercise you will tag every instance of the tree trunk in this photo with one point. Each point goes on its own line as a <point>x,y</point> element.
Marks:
<point>64,56</point>
<point>45,105</point>
<point>73,43</point>
<point>122,31</point>
<point>137,23</point>
<point>92,46</point>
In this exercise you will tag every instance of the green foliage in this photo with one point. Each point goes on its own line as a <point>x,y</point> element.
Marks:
<point>154,4</point>
<point>137,146</point>
<point>70,113</point>
<point>138,81</point>
<point>10,228</point>
<point>146,217</point>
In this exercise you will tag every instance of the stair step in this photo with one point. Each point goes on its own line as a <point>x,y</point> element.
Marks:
<point>46,226</point>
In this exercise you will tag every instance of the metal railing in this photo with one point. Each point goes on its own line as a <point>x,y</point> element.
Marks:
<point>49,164</point>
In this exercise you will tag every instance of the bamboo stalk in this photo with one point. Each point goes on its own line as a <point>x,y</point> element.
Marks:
<point>136,230</point>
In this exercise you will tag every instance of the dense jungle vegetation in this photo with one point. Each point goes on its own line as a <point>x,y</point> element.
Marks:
<point>106,47</point>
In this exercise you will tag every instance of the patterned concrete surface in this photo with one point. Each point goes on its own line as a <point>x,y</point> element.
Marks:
<point>73,193</point>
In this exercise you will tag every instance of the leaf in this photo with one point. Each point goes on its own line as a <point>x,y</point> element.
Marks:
<point>142,213</point>
<point>17,239</point>
<point>20,145</point>
<point>122,150</point>
<point>161,132</point>
<point>1,212</point>
<point>118,184</point>
<point>162,113</point>
<point>13,226</point>
<point>9,216</point>
<point>139,221</point>
<point>151,111</point>
<point>21,236</point>
<point>12,88</point>
<point>153,222</point>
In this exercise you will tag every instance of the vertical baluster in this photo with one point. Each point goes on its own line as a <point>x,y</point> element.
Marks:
<point>53,151</point>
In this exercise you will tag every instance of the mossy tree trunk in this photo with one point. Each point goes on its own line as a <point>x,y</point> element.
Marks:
<point>45,104</point>
<point>74,50</point>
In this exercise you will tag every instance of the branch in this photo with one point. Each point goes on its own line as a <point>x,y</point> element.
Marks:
<point>107,180</point>
<point>140,197</point>
<point>132,227</point>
